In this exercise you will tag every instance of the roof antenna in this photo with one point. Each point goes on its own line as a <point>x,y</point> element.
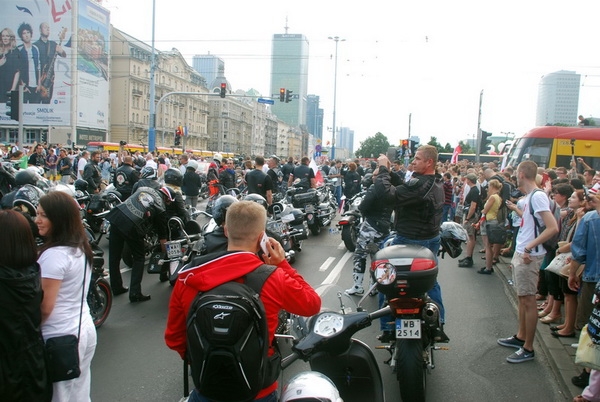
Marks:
<point>286,25</point>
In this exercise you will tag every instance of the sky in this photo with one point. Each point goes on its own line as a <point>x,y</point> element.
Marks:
<point>429,60</point>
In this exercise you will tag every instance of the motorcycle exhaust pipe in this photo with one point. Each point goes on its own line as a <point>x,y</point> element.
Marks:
<point>431,314</point>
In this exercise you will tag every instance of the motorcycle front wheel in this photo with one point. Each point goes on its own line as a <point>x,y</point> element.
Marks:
<point>410,369</point>
<point>349,237</point>
<point>100,301</point>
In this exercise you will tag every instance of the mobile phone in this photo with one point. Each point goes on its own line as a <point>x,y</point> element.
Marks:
<point>264,243</point>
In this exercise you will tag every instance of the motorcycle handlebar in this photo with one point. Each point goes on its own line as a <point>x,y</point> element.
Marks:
<point>380,313</point>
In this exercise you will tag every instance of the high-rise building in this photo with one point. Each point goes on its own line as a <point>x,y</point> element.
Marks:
<point>558,98</point>
<point>289,70</point>
<point>314,116</point>
<point>208,66</point>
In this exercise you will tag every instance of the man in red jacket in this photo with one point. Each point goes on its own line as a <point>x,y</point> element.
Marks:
<point>285,289</point>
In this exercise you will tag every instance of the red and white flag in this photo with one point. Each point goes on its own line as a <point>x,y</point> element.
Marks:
<point>454,158</point>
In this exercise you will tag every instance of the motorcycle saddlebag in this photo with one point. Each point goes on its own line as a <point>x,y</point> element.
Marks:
<point>404,270</point>
<point>298,217</point>
<point>96,204</point>
<point>299,200</point>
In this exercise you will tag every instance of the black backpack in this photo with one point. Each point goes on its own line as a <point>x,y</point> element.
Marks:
<point>227,340</point>
<point>551,243</point>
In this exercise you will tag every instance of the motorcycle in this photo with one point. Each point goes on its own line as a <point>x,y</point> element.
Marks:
<point>404,274</point>
<point>287,225</point>
<point>318,205</point>
<point>350,222</point>
<point>325,341</point>
<point>99,297</point>
<point>96,206</point>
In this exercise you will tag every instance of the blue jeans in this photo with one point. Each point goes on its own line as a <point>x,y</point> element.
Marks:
<point>446,212</point>
<point>196,397</point>
<point>337,192</point>
<point>435,293</point>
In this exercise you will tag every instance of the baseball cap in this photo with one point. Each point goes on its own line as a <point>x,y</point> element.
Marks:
<point>472,177</point>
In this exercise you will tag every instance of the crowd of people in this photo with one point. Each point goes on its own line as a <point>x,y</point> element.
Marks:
<point>549,212</point>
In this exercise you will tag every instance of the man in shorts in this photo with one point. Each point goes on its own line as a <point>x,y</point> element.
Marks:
<point>526,261</point>
<point>470,217</point>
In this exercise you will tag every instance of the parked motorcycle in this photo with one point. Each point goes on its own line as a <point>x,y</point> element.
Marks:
<point>349,223</point>
<point>287,225</point>
<point>318,205</point>
<point>99,297</point>
<point>325,341</point>
<point>404,274</point>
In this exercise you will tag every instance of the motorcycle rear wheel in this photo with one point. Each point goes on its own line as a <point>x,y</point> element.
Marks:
<point>100,301</point>
<point>315,229</point>
<point>410,369</point>
<point>349,237</point>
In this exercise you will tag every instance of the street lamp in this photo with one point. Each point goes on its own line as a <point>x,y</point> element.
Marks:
<point>152,128</point>
<point>336,39</point>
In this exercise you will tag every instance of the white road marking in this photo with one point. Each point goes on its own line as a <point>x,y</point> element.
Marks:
<point>326,264</point>
<point>335,272</point>
<point>341,246</point>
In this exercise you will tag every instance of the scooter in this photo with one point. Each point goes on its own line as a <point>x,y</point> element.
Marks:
<point>325,341</point>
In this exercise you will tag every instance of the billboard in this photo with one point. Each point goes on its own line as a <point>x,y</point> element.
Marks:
<point>35,51</point>
<point>93,47</point>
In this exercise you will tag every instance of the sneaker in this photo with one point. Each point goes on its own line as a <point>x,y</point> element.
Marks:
<point>520,356</point>
<point>511,342</point>
<point>466,263</point>
<point>355,290</point>
<point>582,380</point>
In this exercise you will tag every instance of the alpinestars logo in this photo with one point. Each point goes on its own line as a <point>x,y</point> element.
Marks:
<point>221,316</point>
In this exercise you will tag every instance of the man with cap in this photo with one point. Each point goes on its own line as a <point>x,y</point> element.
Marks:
<point>470,217</point>
<point>275,173</point>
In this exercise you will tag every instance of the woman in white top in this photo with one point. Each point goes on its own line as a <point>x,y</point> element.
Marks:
<point>62,260</point>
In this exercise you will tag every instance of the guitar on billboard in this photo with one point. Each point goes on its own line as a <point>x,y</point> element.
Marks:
<point>47,78</point>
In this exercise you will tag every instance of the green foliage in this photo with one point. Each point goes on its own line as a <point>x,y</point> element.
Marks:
<point>466,148</point>
<point>373,146</point>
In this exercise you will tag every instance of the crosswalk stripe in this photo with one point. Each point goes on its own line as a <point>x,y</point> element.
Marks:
<point>326,264</point>
<point>335,272</point>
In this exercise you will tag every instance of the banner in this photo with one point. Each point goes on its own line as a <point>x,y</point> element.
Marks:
<point>35,51</point>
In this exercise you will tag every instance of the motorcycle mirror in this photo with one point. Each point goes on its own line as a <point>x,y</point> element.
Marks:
<point>385,274</point>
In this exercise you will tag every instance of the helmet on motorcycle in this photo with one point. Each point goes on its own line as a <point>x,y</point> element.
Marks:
<point>310,386</point>
<point>25,177</point>
<point>28,196</point>
<point>451,236</point>
<point>219,210</point>
<point>257,198</point>
<point>367,180</point>
<point>148,172</point>
<point>192,164</point>
<point>173,177</point>
<point>168,193</point>
<point>64,188</point>
<point>81,185</point>
<point>218,157</point>
<point>139,162</point>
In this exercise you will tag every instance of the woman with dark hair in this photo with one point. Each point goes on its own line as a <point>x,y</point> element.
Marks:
<point>65,260</point>
<point>351,181</point>
<point>22,365</point>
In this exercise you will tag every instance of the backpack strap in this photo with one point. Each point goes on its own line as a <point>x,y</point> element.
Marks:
<point>257,278</point>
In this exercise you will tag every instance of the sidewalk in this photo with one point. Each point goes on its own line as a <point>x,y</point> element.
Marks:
<point>560,353</point>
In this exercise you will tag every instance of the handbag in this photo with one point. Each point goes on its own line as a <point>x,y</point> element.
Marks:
<point>496,233</point>
<point>588,353</point>
<point>558,264</point>
<point>62,352</point>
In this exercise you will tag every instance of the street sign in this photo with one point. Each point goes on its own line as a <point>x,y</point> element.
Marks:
<point>267,101</point>
<point>318,147</point>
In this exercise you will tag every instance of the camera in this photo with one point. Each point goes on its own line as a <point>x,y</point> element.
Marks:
<point>122,143</point>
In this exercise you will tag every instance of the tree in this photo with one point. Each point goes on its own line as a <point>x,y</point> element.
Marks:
<point>373,146</point>
<point>466,148</point>
<point>433,141</point>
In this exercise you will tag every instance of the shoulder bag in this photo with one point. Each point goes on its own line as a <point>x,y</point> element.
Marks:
<point>62,352</point>
<point>588,353</point>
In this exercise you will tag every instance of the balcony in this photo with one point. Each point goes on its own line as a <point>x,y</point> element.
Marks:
<point>136,92</point>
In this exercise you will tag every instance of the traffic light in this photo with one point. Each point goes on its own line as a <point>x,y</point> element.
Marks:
<point>12,105</point>
<point>404,143</point>
<point>288,96</point>
<point>483,145</point>
<point>281,94</point>
<point>413,147</point>
<point>223,89</point>
<point>43,137</point>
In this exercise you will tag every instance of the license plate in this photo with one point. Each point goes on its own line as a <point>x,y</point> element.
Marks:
<point>408,328</point>
<point>173,250</point>
<point>309,208</point>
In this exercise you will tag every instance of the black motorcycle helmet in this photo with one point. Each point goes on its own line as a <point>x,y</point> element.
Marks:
<point>220,208</point>
<point>173,177</point>
<point>25,177</point>
<point>27,199</point>
<point>148,172</point>
<point>367,180</point>
<point>81,185</point>
<point>451,236</point>
<point>258,199</point>
<point>139,162</point>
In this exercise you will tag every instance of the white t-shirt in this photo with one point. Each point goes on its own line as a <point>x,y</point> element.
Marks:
<point>540,203</point>
<point>81,167</point>
<point>151,163</point>
<point>66,264</point>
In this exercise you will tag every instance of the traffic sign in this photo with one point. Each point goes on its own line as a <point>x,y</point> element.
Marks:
<point>318,147</point>
<point>267,101</point>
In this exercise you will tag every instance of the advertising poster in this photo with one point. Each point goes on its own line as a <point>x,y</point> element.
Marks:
<point>35,51</point>
<point>92,65</point>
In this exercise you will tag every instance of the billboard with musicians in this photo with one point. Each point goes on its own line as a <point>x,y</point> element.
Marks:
<point>37,52</point>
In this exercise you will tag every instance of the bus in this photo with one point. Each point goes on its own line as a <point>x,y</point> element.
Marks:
<point>143,149</point>
<point>554,146</point>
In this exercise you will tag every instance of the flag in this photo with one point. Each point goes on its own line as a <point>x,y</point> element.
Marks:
<point>454,158</point>
<point>316,171</point>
